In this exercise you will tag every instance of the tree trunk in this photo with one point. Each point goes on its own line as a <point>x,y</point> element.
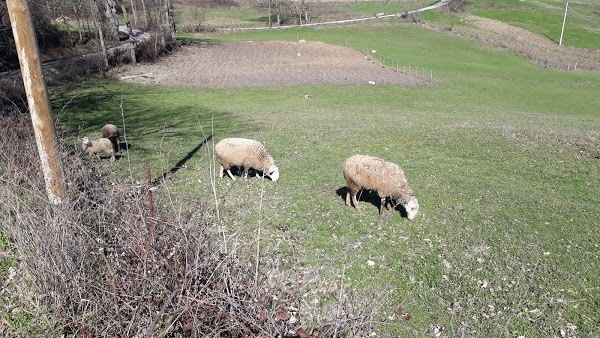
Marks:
<point>134,12</point>
<point>278,11</point>
<point>37,99</point>
<point>125,16</point>
<point>133,44</point>
<point>95,10</point>
<point>158,11</point>
<point>68,28</point>
<point>146,14</point>
<point>79,24</point>
<point>170,18</point>
<point>305,10</point>
<point>129,33</point>
<point>270,19</point>
<point>111,17</point>
<point>103,46</point>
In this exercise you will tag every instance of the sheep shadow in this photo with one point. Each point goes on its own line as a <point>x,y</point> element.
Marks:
<point>164,176</point>
<point>369,196</point>
<point>239,172</point>
<point>124,146</point>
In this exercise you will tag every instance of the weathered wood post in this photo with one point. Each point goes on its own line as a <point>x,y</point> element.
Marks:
<point>37,98</point>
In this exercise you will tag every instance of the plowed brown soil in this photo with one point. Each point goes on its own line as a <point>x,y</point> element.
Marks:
<point>272,63</point>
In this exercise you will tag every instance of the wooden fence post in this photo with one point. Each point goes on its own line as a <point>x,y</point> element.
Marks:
<point>37,99</point>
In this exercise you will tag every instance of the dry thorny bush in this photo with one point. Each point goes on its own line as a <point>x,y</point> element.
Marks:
<point>101,266</point>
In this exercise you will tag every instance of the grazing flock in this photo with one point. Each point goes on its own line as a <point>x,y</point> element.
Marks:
<point>361,172</point>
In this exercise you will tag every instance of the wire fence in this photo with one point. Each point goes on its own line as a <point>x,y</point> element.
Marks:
<point>407,69</point>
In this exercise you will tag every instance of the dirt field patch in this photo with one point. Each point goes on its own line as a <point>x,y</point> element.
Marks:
<point>272,63</point>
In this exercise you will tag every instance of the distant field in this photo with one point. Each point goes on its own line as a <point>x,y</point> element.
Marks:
<point>250,15</point>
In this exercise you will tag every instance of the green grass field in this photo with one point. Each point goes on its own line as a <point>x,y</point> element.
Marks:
<point>503,157</point>
<point>546,18</point>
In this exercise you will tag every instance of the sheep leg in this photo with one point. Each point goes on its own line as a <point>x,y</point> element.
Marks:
<point>355,201</point>
<point>389,204</point>
<point>348,198</point>
<point>382,205</point>
<point>245,173</point>
<point>228,172</point>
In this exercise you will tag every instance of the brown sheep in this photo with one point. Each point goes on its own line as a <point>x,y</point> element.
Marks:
<point>101,145</point>
<point>385,178</point>
<point>246,153</point>
<point>111,132</point>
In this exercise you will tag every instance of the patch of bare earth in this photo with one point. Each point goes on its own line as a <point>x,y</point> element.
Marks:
<point>271,63</point>
<point>543,51</point>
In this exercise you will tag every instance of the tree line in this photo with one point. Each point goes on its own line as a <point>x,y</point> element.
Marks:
<point>68,23</point>
<point>72,23</point>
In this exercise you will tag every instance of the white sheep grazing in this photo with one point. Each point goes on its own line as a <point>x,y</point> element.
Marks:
<point>101,145</point>
<point>245,153</point>
<point>387,179</point>
<point>111,132</point>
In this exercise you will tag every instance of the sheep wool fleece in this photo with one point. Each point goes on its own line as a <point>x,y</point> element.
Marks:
<point>241,152</point>
<point>387,179</point>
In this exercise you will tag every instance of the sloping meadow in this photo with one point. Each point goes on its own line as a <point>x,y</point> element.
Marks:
<point>502,156</point>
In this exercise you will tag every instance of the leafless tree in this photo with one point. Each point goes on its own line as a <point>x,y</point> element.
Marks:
<point>146,13</point>
<point>124,11</point>
<point>97,21</point>
<point>303,11</point>
<point>456,6</point>
<point>110,11</point>
<point>134,12</point>
<point>170,17</point>
<point>277,8</point>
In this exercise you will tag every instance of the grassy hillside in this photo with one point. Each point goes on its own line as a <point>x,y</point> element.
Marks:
<point>502,155</point>
<point>582,27</point>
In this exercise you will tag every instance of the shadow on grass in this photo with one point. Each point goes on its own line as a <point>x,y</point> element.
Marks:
<point>239,173</point>
<point>264,19</point>
<point>550,38</point>
<point>147,111</point>
<point>369,196</point>
<point>164,176</point>
<point>124,146</point>
<point>362,196</point>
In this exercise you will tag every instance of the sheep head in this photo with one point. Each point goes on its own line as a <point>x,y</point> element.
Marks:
<point>273,173</point>
<point>86,143</point>
<point>411,207</point>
